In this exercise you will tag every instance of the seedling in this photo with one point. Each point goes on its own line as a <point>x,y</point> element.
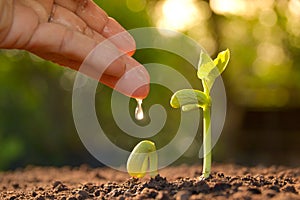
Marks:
<point>142,159</point>
<point>189,99</point>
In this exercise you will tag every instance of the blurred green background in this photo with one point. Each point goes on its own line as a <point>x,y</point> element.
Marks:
<point>262,83</point>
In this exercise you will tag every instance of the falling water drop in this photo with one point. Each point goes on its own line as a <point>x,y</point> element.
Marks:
<point>139,113</point>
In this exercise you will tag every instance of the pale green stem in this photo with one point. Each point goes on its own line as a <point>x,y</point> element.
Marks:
<point>205,87</point>
<point>206,135</point>
<point>206,142</point>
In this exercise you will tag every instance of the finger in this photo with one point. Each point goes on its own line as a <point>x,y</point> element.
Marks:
<point>94,16</point>
<point>98,20</point>
<point>134,83</point>
<point>102,61</point>
<point>61,60</point>
<point>18,35</point>
<point>75,46</point>
<point>119,36</point>
<point>39,9</point>
<point>142,88</point>
<point>47,4</point>
<point>6,8</point>
<point>63,16</point>
<point>140,92</point>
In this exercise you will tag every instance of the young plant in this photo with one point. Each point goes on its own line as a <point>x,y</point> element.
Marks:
<point>189,99</point>
<point>142,159</point>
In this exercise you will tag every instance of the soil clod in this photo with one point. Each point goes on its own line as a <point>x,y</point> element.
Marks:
<point>175,183</point>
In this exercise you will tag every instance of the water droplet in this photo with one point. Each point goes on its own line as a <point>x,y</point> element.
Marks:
<point>139,113</point>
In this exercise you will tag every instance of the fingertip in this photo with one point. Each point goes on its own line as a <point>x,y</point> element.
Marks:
<point>129,87</point>
<point>126,76</point>
<point>130,53</point>
<point>135,82</point>
<point>142,92</point>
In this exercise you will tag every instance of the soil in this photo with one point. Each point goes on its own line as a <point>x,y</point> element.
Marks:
<point>181,182</point>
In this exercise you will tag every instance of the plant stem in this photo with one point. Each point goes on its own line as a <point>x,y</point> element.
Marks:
<point>206,142</point>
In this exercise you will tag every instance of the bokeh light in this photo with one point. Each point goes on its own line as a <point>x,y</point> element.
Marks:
<point>244,8</point>
<point>136,5</point>
<point>177,14</point>
<point>189,16</point>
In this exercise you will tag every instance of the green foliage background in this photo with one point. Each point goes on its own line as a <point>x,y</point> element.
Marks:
<point>262,84</point>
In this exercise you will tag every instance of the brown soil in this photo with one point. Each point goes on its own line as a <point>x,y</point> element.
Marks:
<point>226,182</point>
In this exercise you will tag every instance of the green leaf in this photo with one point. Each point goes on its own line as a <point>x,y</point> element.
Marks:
<point>190,97</point>
<point>209,70</point>
<point>205,65</point>
<point>222,60</point>
<point>143,158</point>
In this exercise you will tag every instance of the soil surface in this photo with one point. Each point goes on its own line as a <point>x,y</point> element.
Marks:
<point>181,182</point>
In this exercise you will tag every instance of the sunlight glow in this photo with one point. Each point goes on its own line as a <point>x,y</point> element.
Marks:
<point>229,6</point>
<point>178,15</point>
<point>243,8</point>
<point>294,6</point>
<point>293,22</point>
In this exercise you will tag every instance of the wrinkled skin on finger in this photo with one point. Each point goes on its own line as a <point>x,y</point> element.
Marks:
<point>66,32</point>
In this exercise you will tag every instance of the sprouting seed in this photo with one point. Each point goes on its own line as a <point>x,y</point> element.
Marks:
<point>143,159</point>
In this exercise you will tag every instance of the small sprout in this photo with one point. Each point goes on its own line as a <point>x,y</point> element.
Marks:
<point>190,99</point>
<point>142,159</point>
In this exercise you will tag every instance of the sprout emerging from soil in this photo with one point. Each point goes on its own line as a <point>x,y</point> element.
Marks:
<point>142,159</point>
<point>189,99</point>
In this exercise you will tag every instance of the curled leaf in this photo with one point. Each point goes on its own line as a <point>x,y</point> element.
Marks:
<point>189,99</point>
<point>143,159</point>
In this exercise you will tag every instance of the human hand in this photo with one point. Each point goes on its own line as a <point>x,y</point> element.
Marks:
<point>67,32</point>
